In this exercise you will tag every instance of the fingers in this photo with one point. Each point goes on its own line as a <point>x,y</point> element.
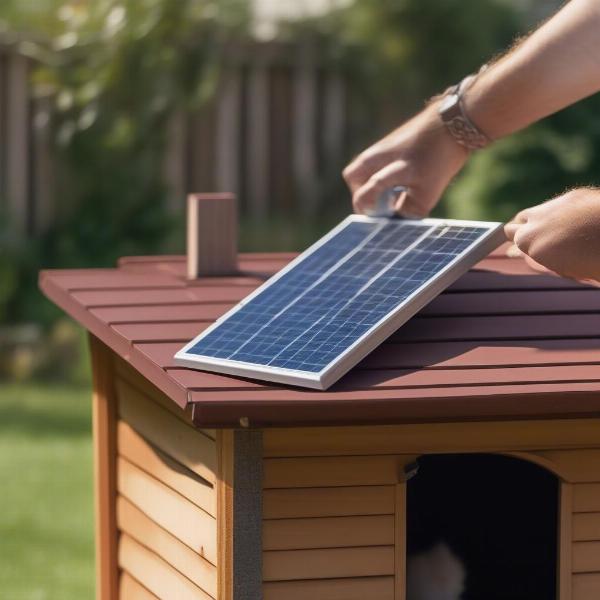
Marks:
<point>358,172</point>
<point>407,206</point>
<point>536,266</point>
<point>511,228</point>
<point>365,197</point>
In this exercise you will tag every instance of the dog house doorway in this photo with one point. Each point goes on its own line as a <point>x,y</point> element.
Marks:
<point>495,515</point>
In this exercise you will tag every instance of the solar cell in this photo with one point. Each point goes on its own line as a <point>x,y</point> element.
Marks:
<point>337,301</point>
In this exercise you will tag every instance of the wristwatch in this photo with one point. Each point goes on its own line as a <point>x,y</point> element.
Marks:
<point>453,115</point>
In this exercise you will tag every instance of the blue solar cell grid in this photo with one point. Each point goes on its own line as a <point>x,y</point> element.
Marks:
<point>314,312</point>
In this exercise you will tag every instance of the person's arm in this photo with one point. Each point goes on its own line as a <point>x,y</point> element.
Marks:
<point>556,66</point>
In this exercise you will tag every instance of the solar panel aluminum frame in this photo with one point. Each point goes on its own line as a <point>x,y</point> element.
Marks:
<point>372,338</point>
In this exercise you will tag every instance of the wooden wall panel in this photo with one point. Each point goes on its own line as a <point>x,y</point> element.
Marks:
<point>366,588</point>
<point>575,466</point>
<point>169,509</point>
<point>138,526</point>
<point>400,542</point>
<point>585,581</point>
<point>586,527</point>
<point>104,410</point>
<point>133,447</point>
<point>433,437</point>
<point>586,557</point>
<point>586,497</point>
<point>328,532</point>
<point>328,563</point>
<point>224,488</point>
<point>130,589</point>
<point>328,502</point>
<point>155,574</point>
<point>330,529</point>
<point>333,471</point>
<point>168,433</point>
<point>335,478</point>
<point>565,541</point>
<point>133,377</point>
<point>166,471</point>
<point>586,586</point>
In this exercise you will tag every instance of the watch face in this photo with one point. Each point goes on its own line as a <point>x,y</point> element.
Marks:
<point>448,102</point>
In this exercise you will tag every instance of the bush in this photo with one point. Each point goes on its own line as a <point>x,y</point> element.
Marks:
<point>556,154</point>
<point>114,73</point>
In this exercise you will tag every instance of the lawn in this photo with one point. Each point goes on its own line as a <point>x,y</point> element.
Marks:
<point>46,503</point>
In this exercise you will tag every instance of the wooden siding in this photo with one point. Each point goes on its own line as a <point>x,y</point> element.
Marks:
<point>585,526</point>
<point>104,417</point>
<point>167,502</point>
<point>333,523</point>
<point>330,528</point>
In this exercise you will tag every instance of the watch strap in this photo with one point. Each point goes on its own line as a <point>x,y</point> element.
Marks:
<point>460,126</point>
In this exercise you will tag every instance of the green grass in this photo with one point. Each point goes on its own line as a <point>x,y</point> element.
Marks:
<point>46,503</point>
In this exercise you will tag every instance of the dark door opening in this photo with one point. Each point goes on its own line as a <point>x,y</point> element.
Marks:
<point>497,514</point>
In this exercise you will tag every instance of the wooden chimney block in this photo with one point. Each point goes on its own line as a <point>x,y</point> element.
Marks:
<point>211,234</point>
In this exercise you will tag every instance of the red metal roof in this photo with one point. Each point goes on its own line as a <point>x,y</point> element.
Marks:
<point>502,342</point>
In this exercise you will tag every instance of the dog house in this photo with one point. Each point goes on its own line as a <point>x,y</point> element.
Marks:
<point>209,486</point>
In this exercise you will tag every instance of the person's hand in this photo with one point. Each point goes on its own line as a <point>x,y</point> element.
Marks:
<point>420,155</point>
<point>562,235</point>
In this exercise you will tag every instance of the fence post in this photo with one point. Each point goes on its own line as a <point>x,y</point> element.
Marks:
<point>304,123</point>
<point>334,117</point>
<point>228,140</point>
<point>175,163</point>
<point>18,139</point>
<point>257,154</point>
<point>43,190</point>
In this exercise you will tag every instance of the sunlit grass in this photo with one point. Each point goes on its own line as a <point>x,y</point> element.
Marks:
<point>46,511</point>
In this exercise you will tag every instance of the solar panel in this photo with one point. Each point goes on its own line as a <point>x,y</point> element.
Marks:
<point>340,299</point>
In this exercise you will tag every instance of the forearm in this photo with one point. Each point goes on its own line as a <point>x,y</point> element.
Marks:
<point>556,66</point>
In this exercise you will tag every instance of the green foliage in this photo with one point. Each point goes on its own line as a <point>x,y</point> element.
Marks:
<point>114,72</point>
<point>412,49</point>
<point>398,53</point>
<point>558,153</point>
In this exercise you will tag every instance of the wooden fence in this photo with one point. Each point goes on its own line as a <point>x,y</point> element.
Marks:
<point>25,162</point>
<point>274,135</point>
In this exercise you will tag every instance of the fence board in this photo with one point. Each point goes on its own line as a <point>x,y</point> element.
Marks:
<point>18,147</point>
<point>274,135</point>
<point>228,133</point>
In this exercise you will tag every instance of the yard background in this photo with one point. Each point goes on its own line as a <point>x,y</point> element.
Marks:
<point>112,110</point>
